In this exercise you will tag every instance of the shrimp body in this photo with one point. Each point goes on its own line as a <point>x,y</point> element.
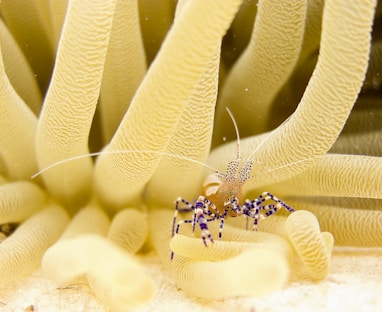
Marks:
<point>223,189</point>
<point>222,198</point>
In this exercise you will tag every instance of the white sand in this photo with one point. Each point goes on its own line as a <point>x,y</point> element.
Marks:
<point>354,284</point>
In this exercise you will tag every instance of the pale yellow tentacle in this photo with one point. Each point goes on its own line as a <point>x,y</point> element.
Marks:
<point>19,71</point>
<point>152,116</point>
<point>124,69</point>
<point>264,66</point>
<point>129,229</point>
<point>22,251</point>
<point>114,275</point>
<point>18,129</point>
<point>89,220</point>
<point>304,234</point>
<point>70,103</point>
<point>191,138</point>
<point>193,248</point>
<point>337,175</point>
<point>30,25</point>
<point>19,200</point>
<point>219,279</point>
<point>349,226</point>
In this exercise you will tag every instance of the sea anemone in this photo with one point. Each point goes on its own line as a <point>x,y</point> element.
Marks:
<point>88,78</point>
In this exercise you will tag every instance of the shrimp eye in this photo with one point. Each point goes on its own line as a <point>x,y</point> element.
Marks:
<point>211,185</point>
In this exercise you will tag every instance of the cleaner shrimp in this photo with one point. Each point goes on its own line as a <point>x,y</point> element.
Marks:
<point>222,197</point>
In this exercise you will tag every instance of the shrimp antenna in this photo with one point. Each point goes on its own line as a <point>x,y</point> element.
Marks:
<point>294,163</point>
<point>63,161</point>
<point>267,138</point>
<point>236,130</point>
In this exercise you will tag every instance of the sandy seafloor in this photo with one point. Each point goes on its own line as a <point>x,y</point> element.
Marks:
<point>354,284</point>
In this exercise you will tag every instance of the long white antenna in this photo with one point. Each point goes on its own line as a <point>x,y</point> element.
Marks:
<point>267,138</point>
<point>63,161</point>
<point>294,163</point>
<point>237,132</point>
